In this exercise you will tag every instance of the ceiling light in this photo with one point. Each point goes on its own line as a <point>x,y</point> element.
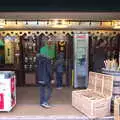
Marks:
<point>116,24</point>
<point>37,22</point>
<point>5,21</point>
<point>26,22</point>
<point>60,24</point>
<point>16,22</point>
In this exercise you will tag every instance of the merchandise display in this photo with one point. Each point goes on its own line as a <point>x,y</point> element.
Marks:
<point>47,44</point>
<point>111,47</point>
<point>27,44</point>
<point>7,90</point>
<point>29,52</point>
<point>17,49</point>
<point>9,50</point>
<point>1,51</point>
<point>111,65</point>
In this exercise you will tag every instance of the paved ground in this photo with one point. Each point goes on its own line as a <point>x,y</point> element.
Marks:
<point>28,108</point>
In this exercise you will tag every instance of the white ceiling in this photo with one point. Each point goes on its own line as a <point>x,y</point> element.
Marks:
<point>99,16</point>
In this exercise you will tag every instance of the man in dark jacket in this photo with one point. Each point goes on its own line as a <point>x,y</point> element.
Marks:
<point>44,79</point>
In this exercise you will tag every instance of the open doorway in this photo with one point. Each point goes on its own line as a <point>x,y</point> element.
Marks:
<point>32,42</point>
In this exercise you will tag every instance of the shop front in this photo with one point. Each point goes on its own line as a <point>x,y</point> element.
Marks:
<point>75,34</point>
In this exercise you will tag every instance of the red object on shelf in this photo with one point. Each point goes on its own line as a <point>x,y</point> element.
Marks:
<point>1,101</point>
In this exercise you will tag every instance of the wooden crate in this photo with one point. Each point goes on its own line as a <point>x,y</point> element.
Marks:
<point>107,87</point>
<point>94,105</point>
<point>92,80</point>
<point>94,102</point>
<point>117,109</point>
<point>99,81</point>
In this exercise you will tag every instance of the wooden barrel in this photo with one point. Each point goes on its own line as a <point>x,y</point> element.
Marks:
<point>117,109</point>
<point>116,85</point>
<point>112,105</point>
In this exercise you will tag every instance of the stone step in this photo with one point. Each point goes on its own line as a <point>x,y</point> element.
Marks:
<point>53,118</point>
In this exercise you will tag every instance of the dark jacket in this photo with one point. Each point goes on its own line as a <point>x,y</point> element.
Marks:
<point>60,64</point>
<point>99,58</point>
<point>44,70</point>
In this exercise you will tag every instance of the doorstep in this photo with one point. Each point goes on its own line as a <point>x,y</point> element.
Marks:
<point>54,118</point>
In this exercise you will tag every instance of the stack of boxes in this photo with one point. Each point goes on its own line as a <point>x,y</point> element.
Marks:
<point>94,101</point>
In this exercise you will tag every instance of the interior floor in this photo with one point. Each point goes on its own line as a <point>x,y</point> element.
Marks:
<point>28,103</point>
<point>28,107</point>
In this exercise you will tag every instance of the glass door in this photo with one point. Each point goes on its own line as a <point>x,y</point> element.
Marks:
<point>80,60</point>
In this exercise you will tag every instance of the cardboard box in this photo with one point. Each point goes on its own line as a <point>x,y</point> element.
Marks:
<point>95,102</point>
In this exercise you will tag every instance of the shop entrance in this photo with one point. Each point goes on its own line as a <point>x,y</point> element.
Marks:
<point>33,41</point>
<point>22,46</point>
<point>26,45</point>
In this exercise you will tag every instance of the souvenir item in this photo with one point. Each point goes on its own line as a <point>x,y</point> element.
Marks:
<point>9,50</point>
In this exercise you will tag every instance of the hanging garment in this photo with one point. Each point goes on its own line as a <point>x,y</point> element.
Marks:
<point>17,49</point>
<point>1,52</point>
<point>99,57</point>
<point>43,70</point>
<point>61,47</point>
<point>9,50</point>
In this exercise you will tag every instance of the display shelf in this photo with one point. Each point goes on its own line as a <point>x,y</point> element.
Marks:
<point>29,51</point>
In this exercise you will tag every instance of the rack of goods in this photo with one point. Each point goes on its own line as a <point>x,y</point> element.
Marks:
<point>29,44</point>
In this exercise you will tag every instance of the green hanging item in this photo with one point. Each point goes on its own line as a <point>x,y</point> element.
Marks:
<point>1,43</point>
<point>1,51</point>
<point>48,51</point>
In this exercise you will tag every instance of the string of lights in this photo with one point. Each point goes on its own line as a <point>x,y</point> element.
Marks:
<point>61,23</point>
